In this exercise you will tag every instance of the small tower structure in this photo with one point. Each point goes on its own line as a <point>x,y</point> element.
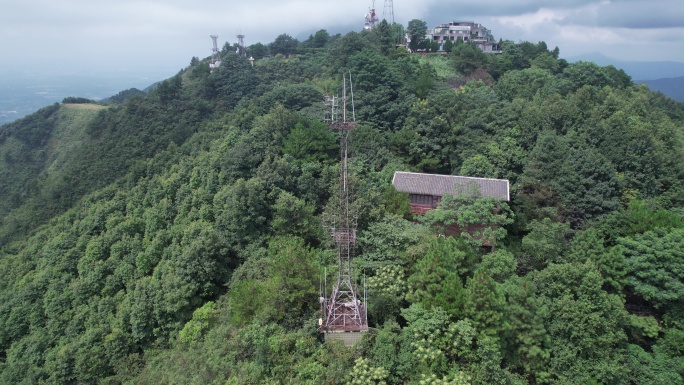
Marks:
<point>241,45</point>
<point>215,57</point>
<point>344,314</point>
<point>388,12</point>
<point>371,18</point>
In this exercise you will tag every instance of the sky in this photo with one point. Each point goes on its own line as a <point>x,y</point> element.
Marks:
<point>159,37</point>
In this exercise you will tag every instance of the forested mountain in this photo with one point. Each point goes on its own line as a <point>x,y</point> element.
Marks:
<point>175,237</point>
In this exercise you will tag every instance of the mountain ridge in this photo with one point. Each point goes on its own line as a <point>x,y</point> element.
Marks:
<point>175,236</point>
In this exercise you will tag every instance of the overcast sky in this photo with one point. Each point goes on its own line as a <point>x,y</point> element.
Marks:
<point>105,36</point>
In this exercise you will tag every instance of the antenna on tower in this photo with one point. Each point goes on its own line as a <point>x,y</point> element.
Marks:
<point>241,45</point>
<point>371,18</point>
<point>215,58</point>
<point>388,12</point>
<point>344,314</point>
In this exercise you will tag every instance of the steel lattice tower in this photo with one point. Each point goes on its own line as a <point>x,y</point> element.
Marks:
<point>388,12</point>
<point>241,45</point>
<point>371,19</point>
<point>215,58</point>
<point>343,311</point>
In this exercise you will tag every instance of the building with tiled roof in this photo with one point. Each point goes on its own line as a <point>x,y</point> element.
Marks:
<point>426,190</point>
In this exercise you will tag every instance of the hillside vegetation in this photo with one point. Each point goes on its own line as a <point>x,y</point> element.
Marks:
<point>176,237</point>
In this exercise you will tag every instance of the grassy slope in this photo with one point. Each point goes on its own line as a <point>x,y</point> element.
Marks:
<point>27,168</point>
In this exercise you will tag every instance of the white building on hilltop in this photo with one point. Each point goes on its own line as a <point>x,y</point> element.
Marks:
<point>467,31</point>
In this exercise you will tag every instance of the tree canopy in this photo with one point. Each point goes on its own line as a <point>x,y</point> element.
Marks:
<point>179,235</point>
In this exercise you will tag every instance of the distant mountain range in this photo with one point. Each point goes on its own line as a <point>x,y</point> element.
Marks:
<point>24,93</point>
<point>642,70</point>
<point>672,87</point>
<point>664,76</point>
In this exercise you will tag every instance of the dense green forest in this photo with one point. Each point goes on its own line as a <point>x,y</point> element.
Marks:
<point>176,237</point>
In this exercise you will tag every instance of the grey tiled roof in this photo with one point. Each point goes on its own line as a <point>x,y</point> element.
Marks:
<point>440,185</point>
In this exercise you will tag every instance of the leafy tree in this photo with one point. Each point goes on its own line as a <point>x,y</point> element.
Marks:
<point>169,90</point>
<point>416,29</point>
<point>484,304</point>
<point>546,243</point>
<point>122,96</point>
<point>467,58</point>
<point>287,295</point>
<point>425,81</point>
<point>396,203</point>
<point>257,50</point>
<point>77,100</point>
<point>386,38</point>
<point>319,39</point>
<point>233,80</point>
<point>637,218</point>
<point>581,176</point>
<point>652,368</point>
<point>242,212</point>
<point>478,220</point>
<point>584,324</point>
<point>654,261</point>
<point>176,264</point>
<point>435,281</point>
<point>364,374</point>
<point>311,142</point>
<point>478,166</point>
<point>527,84</point>
<point>526,341</point>
<point>448,46</point>
<point>383,98</point>
<point>390,241</point>
<point>283,44</point>
<point>293,97</point>
<point>546,61</point>
<point>589,246</point>
<point>293,216</point>
<point>588,73</point>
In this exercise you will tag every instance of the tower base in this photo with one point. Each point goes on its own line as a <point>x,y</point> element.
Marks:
<point>347,338</point>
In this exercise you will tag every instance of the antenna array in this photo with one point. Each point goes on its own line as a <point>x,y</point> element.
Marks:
<point>215,57</point>
<point>343,311</point>
<point>371,18</point>
<point>241,45</point>
<point>388,12</point>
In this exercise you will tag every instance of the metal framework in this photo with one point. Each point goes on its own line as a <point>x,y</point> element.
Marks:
<point>241,45</point>
<point>371,18</point>
<point>343,311</point>
<point>388,12</point>
<point>215,57</point>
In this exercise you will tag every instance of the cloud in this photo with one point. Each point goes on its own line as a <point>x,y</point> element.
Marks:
<point>134,32</point>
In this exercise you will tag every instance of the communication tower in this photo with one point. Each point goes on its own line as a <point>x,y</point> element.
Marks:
<point>215,58</point>
<point>388,12</point>
<point>371,18</point>
<point>241,45</point>
<point>344,314</point>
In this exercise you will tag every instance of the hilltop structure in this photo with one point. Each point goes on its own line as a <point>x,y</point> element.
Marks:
<point>467,31</point>
<point>371,18</point>
<point>241,50</point>
<point>215,57</point>
<point>426,190</point>
<point>388,12</point>
<point>344,314</point>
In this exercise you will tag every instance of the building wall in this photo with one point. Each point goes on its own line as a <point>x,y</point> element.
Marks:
<point>467,31</point>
